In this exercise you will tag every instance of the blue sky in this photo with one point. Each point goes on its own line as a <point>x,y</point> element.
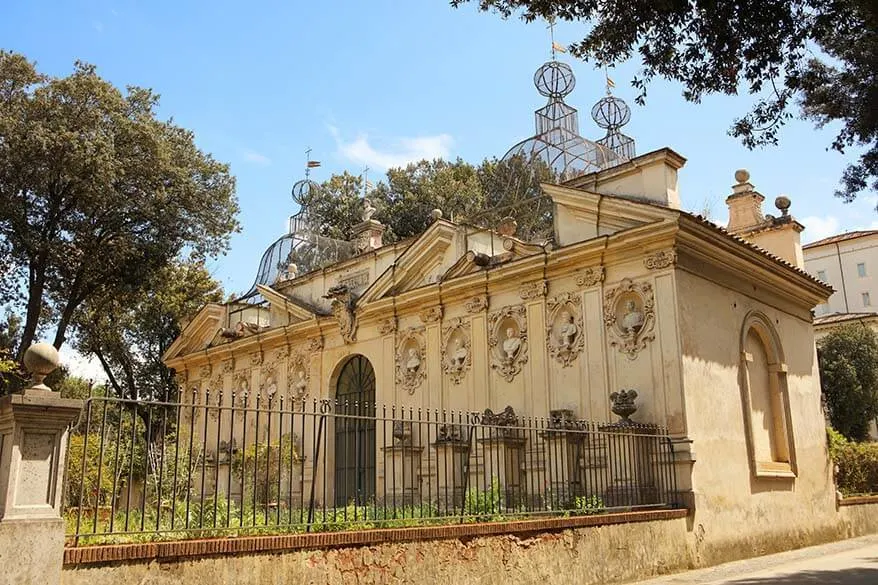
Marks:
<point>383,82</point>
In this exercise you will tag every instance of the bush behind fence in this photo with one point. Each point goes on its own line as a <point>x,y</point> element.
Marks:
<point>232,465</point>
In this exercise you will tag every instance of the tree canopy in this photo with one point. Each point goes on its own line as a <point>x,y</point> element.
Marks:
<point>129,333</point>
<point>97,195</point>
<point>848,359</point>
<point>821,55</point>
<point>481,195</point>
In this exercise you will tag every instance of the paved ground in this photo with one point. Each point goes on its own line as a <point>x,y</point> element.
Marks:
<point>849,562</point>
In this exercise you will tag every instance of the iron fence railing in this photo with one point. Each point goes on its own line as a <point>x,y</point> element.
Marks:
<point>221,463</point>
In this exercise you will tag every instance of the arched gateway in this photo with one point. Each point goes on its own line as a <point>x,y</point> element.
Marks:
<point>355,432</point>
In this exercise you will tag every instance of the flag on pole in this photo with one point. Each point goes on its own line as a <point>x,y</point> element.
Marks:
<point>369,184</point>
<point>610,82</point>
<point>313,164</point>
<point>559,47</point>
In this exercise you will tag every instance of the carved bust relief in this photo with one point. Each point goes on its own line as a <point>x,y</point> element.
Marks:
<point>298,376</point>
<point>507,339</point>
<point>564,329</point>
<point>268,380</point>
<point>456,349</point>
<point>411,359</point>
<point>629,315</point>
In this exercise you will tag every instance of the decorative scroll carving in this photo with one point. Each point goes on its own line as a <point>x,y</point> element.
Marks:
<point>533,290</point>
<point>456,349</point>
<point>477,304</point>
<point>659,260</point>
<point>298,376</point>
<point>281,353</point>
<point>508,340</point>
<point>228,366</point>
<point>431,315</point>
<point>204,372</point>
<point>590,276</point>
<point>343,310</point>
<point>411,359</point>
<point>629,314</point>
<point>387,326</point>
<point>506,418</point>
<point>256,359</point>
<point>564,328</point>
<point>314,344</point>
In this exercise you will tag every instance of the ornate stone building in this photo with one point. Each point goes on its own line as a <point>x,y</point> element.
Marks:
<point>714,333</point>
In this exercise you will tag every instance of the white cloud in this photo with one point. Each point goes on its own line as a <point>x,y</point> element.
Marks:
<point>82,366</point>
<point>817,228</point>
<point>396,152</point>
<point>98,26</point>
<point>256,158</point>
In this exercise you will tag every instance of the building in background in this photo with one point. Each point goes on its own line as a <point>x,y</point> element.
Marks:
<point>848,262</point>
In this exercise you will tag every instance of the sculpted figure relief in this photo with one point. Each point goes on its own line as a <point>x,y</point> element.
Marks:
<point>508,340</point>
<point>456,355</point>
<point>511,344</point>
<point>629,315</point>
<point>564,334</point>
<point>410,359</point>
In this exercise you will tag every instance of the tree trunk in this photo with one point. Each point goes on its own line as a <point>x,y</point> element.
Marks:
<point>35,289</point>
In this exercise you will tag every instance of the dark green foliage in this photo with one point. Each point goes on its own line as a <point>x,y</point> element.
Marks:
<point>819,54</point>
<point>97,195</point>
<point>856,465</point>
<point>848,359</point>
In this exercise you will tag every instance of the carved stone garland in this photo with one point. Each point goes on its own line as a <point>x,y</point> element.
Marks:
<point>661,259</point>
<point>533,290</point>
<point>477,304</point>
<point>457,354</point>
<point>507,339</point>
<point>564,328</point>
<point>387,326</point>
<point>590,276</point>
<point>629,315</point>
<point>411,359</point>
<point>298,376</point>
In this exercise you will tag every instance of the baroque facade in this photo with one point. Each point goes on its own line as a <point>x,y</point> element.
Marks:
<point>713,333</point>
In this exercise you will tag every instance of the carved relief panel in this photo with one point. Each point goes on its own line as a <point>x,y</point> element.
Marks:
<point>268,380</point>
<point>298,376</point>
<point>456,349</point>
<point>411,359</point>
<point>564,327</point>
<point>507,339</point>
<point>629,315</point>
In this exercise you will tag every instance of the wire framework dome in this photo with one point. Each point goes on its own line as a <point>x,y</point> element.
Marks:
<point>611,113</point>
<point>302,249</point>
<point>557,141</point>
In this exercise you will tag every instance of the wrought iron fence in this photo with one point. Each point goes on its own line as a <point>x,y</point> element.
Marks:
<point>218,463</point>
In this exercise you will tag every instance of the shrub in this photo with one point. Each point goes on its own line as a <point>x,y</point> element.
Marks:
<point>857,465</point>
<point>848,359</point>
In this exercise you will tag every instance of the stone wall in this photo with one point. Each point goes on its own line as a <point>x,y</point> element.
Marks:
<point>600,554</point>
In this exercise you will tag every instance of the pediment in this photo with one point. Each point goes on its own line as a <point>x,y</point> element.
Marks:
<point>199,333</point>
<point>296,309</point>
<point>583,215</point>
<point>422,263</point>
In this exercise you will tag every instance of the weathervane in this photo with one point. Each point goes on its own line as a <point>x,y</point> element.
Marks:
<point>556,47</point>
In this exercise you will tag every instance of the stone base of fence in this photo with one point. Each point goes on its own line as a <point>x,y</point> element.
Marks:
<point>31,551</point>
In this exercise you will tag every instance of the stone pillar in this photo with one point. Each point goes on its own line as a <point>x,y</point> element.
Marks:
<point>452,453</point>
<point>33,443</point>
<point>402,465</point>
<point>564,455</point>
<point>630,459</point>
<point>368,235</point>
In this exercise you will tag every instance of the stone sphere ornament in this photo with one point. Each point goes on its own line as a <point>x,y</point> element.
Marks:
<point>742,175</point>
<point>41,359</point>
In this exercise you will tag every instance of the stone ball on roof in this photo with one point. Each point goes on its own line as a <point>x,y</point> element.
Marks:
<point>742,175</point>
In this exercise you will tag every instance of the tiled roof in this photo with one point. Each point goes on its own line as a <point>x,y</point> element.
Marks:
<point>842,317</point>
<point>840,238</point>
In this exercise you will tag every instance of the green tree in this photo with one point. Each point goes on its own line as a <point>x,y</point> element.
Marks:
<point>130,333</point>
<point>479,195</point>
<point>848,359</point>
<point>819,54</point>
<point>97,195</point>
